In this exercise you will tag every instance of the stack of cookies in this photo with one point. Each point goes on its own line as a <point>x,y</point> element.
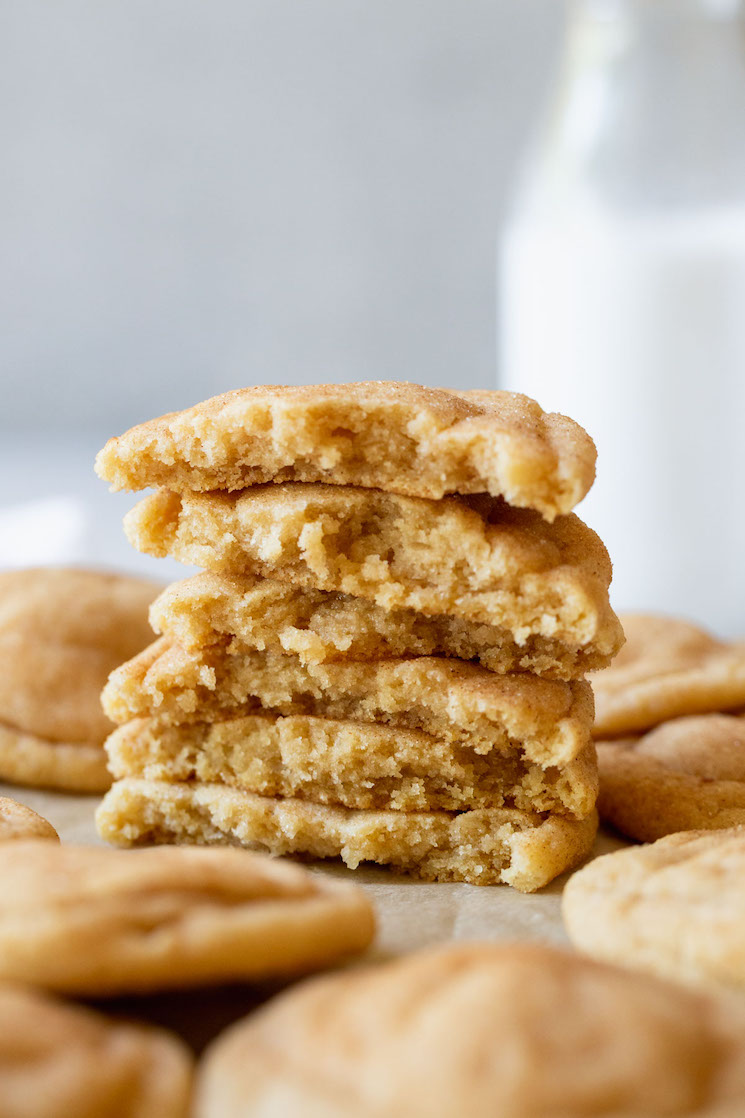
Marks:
<point>384,656</point>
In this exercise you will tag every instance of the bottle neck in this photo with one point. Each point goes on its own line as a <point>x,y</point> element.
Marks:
<point>648,111</point>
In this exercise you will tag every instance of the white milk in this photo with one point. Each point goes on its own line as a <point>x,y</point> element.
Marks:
<point>636,328</point>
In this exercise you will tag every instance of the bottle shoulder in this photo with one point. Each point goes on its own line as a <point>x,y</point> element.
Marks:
<point>642,116</point>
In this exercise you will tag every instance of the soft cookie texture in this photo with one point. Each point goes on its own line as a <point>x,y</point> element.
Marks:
<point>319,625</point>
<point>86,920</point>
<point>352,764</point>
<point>488,1031</point>
<point>384,658</point>
<point>667,668</point>
<point>472,558</point>
<point>483,847</point>
<point>63,1061</point>
<point>687,774</point>
<point>61,632</point>
<point>19,822</point>
<point>548,720</point>
<point>675,907</point>
<point>401,437</point>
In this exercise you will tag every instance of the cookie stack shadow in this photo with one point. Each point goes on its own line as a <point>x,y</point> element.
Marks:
<point>384,656</point>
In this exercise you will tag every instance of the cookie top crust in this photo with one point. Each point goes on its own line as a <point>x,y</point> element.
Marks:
<point>675,907</point>
<point>666,669</point>
<point>59,1059</point>
<point>20,822</point>
<point>482,1030</point>
<point>684,775</point>
<point>62,630</point>
<point>87,920</point>
<point>391,435</point>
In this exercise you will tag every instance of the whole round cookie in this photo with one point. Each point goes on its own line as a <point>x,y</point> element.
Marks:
<point>62,631</point>
<point>60,1061</point>
<point>19,822</point>
<point>488,1031</point>
<point>687,774</point>
<point>87,920</point>
<point>666,669</point>
<point>675,907</point>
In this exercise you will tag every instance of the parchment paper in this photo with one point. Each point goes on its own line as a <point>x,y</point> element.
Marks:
<point>410,915</point>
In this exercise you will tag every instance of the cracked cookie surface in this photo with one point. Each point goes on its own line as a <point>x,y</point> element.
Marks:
<point>87,920</point>
<point>60,1059</point>
<point>666,669</point>
<point>686,774</point>
<point>675,907</point>
<point>483,1030</point>
<point>389,435</point>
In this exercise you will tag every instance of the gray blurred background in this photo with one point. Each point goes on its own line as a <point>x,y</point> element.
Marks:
<point>197,196</point>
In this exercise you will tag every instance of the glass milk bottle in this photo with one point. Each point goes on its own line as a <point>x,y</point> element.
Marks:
<point>622,279</point>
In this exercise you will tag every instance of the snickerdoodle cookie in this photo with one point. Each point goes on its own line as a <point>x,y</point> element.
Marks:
<point>61,633</point>
<point>86,920</point>
<point>352,764</point>
<point>484,847</point>
<point>488,1031</point>
<point>19,822</point>
<point>318,625</point>
<point>675,907</point>
<point>685,775</point>
<point>474,558</point>
<point>666,669</point>
<point>548,720</point>
<point>63,1061</point>
<point>389,435</point>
